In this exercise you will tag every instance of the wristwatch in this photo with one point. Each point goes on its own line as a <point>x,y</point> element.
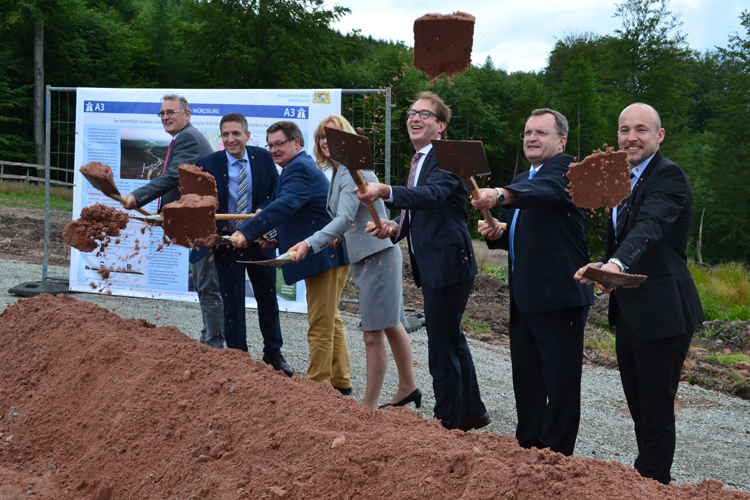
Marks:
<point>618,263</point>
<point>500,197</point>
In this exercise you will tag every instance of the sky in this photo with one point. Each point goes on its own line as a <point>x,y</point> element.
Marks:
<point>520,34</point>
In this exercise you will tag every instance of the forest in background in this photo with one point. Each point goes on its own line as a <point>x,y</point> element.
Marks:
<point>703,97</point>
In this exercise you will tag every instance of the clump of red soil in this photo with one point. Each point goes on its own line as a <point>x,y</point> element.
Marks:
<point>602,179</point>
<point>442,43</point>
<point>94,228</point>
<point>193,180</point>
<point>96,406</point>
<point>100,176</point>
<point>190,217</point>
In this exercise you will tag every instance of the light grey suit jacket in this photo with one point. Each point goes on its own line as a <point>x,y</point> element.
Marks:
<point>350,218</point>
<point>189,146</point>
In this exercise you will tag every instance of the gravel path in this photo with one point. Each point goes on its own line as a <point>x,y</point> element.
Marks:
<point>713,430</point>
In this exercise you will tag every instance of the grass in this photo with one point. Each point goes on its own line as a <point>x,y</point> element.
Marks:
<point>469,324</point>
<point>728,359</point>
<point>31,195</point>
<point>724,290</point>
<point>497,272</point>
<point>601,340</point>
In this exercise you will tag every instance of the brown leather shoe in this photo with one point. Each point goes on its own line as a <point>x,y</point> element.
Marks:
<point>469,423</point>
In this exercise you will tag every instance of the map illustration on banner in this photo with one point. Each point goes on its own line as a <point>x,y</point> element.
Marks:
<point>121,128</point>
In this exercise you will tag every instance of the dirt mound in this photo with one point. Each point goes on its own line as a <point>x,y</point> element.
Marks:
<point>96,406</point>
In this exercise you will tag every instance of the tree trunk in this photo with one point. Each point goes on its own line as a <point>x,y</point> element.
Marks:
<point>700,239</point>
<point>39,91</point>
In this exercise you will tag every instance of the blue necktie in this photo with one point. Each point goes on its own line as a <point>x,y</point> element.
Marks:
<point>242,190</point>
<point>532,173</point>
<point>622,209</point>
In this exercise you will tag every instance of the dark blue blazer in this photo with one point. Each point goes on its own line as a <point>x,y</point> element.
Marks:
<point>653,242</point>
<point>298,209</point>
<point>264,180</point>
<point>437,231</point>
<point>550,245</point>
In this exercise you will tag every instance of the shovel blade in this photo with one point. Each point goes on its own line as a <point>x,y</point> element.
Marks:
<point>462,158</point>
<point>350,150</point>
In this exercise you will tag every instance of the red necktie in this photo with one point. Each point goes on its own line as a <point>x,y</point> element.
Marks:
<point>409,183</point>
<point>166,160</point>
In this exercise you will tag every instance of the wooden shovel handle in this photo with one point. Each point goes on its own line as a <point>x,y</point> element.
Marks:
<point>122,200</point>
<point>502,225</point>
<point>362,185</point>
<point>390,228</point>
<point>471,185</point>
<point>234,216</point>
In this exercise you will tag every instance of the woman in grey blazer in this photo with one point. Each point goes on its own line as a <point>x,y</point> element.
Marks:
<point>376,270</point>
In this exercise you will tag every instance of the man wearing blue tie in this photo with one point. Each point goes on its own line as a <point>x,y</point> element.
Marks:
<point>548,309</point>
<point>245,179</point>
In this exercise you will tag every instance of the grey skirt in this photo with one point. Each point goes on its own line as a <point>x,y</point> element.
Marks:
<point>381,294</point>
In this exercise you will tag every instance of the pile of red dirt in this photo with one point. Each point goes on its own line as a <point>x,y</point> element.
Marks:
<point>95,406</point>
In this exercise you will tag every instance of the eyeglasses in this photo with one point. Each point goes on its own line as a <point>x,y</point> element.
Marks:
<point>170,112</point>
<point>423,114</point>
<point>277,145</point>
<point>541,134</point>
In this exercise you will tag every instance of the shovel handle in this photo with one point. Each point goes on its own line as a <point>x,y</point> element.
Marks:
<point>122,200</point>
<point>362,185</point>
<point>390,229</point>
<point>502,225</point>
<point>234,216</point>
<point>471,185</point>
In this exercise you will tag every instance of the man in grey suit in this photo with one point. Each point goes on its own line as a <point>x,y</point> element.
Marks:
<point>187,146</point>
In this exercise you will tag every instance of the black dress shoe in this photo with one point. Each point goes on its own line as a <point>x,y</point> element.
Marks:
<point>278,362</point>
<point>415,397</point>
<point>469,423</point>
<point>345,392</point>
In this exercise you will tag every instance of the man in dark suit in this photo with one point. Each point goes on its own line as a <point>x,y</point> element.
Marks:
<point>245,179</point>
<point>297,209</point>
<point>648,234</point>
<point>548,309</point>
<point>187,145</point>
<point>433,220</point>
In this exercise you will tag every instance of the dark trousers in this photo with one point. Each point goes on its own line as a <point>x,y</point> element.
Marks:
<point>650,374</point>
<point>547,358</point>
<point>454,379</point>
<point>232,284</point>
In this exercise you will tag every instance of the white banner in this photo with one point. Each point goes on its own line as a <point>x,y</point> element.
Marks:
<point>120,127</point>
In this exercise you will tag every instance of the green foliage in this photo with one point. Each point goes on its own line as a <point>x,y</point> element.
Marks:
<point>728,359</point>
<point>724,291</point>
<point>497,272</point>
<point>470,325</point>
<point>31,195</point>
<point>603,341</point>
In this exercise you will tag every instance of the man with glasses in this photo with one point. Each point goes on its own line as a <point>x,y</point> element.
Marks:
<point>245,180</point>
<point>548,309</point>
<point>648,234</point>
<point>433,221</point>
<point>187,145</point>
<point>297,210</point>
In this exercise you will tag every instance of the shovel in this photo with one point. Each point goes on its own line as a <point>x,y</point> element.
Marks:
<point>464,159</point>
<point>279,261</point>
<point>353,152</point>
<point>100,176</point>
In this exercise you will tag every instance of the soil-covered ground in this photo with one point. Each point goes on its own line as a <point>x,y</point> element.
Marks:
<point>22,238</point>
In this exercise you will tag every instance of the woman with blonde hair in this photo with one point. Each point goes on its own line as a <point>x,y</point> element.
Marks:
<point>376,270</point>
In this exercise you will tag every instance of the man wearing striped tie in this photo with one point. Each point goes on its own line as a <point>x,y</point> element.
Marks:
<point>548,309</point>
<point>245,179</point>
<point>433,219</point>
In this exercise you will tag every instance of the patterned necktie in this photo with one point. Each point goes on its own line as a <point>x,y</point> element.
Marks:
<point>621,211</point>
<point>164,169</point>
<point>242,189</point>
<point>409,183</point>
<point>532,174</point>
